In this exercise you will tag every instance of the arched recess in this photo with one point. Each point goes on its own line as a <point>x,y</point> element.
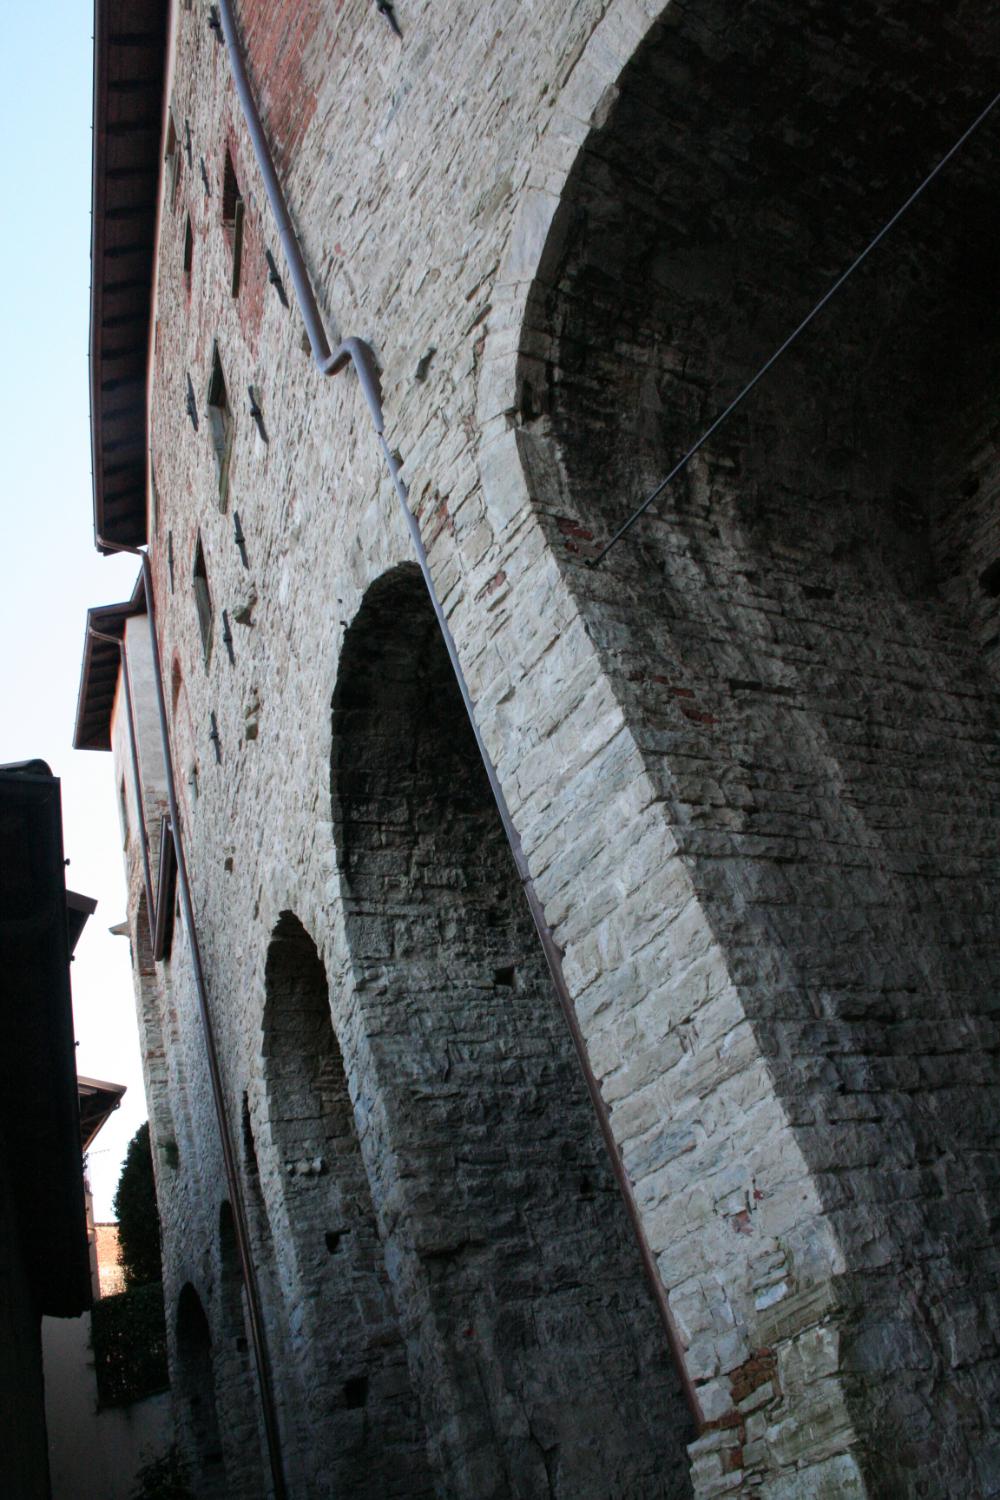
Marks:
<point>367,1438</point>
<point>541,1363</point>
<point>803,631</point>
<point>196,1397</point>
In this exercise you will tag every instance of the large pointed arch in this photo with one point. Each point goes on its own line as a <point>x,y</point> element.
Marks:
<point>367,1439</point>
<point>542,1364</point>
<point>197,1397</point>
<point>801,637</point>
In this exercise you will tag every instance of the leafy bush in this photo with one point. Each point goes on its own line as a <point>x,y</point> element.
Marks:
<point>129,1340</point>
<point>164,1478</point>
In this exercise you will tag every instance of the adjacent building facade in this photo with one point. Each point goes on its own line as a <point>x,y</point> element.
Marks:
<point>96,1448</point>
<point>615,1116</point>
<point>44,1259</point>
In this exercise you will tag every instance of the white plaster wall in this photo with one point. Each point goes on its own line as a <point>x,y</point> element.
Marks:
<point>93,1454</point>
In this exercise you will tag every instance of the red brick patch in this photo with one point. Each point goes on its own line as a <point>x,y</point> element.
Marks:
<point>761,1367</point>
<point>492,586</point>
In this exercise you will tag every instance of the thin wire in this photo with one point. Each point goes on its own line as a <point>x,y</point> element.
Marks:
<point>595,562</point>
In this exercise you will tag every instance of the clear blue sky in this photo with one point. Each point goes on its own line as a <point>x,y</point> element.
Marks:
<point>49,570</point>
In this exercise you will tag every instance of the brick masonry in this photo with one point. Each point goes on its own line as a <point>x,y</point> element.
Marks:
<point>752,759</point>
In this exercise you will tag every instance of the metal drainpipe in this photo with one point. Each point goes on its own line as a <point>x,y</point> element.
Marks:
<point>361,356</point>
<point>258,1337</point>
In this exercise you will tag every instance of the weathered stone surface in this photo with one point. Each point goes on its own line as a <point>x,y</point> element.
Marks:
<point>751,758</point>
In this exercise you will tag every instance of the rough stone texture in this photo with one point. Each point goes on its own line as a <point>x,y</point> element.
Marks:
<point>337,1297</point>
<point>791,645</point>
<point>752,759</point>
<point>197,1397</point>
<point>511,1258</point>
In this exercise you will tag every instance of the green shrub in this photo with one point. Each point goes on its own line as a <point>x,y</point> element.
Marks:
<point>163,1479</point>
<point>129,1340</point>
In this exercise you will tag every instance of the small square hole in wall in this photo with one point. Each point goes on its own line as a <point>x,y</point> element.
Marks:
<point>356,1391</point>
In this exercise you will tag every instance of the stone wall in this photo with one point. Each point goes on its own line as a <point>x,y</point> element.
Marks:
<point>796,656</point>
<point>749,757</point>
<point>338,1301</point>
<point>541,1352</point>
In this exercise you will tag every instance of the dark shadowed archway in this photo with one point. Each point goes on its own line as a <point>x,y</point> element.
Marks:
<point>196,1390</point>
<point>367,1438</point>
<point>803,632</point>
<point>543,1368</point>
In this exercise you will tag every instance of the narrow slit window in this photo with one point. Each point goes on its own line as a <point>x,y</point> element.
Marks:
<point>232,218</point>
<point>231,194</point>
<point>220,419</point>
<point>154,501</point>
<point>237,248</point>
<point>172,160</point>
<point>188,253</point>
<point>202,599</point>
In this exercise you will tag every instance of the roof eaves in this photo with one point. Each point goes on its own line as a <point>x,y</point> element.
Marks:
<point>130,39</point>
<point>99,670</point>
